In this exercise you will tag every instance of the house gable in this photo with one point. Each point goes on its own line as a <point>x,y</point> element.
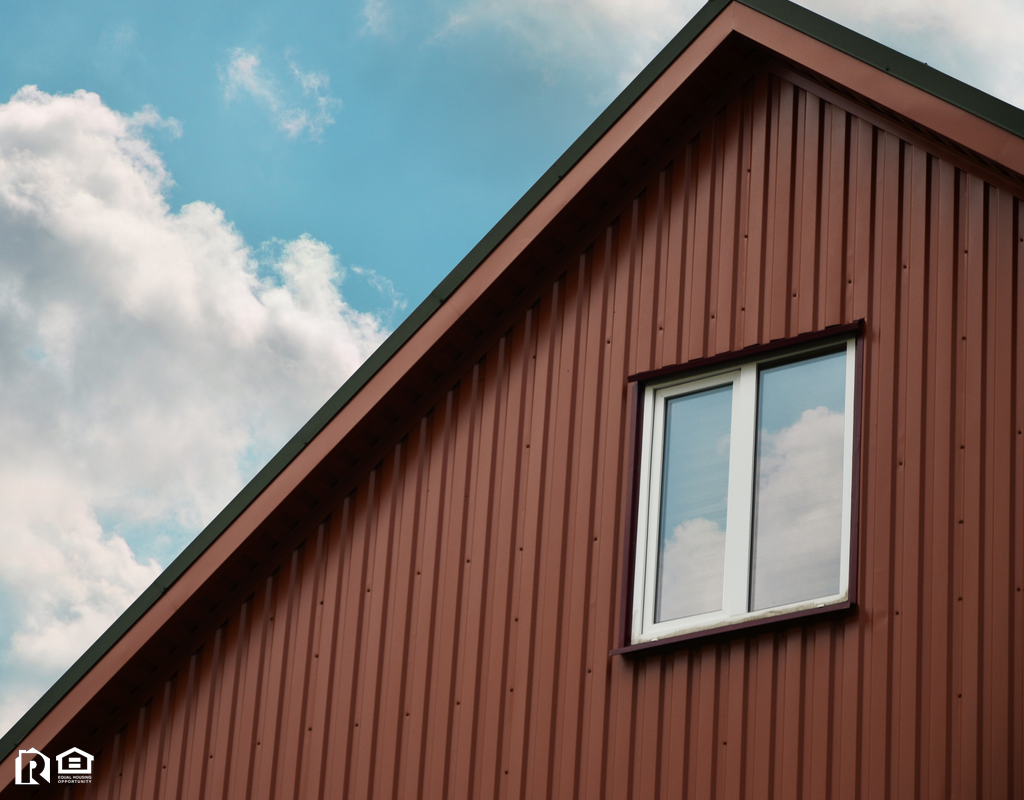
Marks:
<point>385,577</point>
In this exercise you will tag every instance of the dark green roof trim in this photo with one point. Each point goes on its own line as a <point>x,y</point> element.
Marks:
<point>854,44</point>
<point>907,69</point>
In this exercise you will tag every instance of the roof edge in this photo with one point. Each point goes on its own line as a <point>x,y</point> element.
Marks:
<point>862,48</point>
<point>884,58</point>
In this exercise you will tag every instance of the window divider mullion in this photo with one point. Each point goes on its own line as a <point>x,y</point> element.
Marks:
<point>741,473</point>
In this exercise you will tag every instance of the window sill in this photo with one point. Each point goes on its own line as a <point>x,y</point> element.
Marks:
<point>746,624</point>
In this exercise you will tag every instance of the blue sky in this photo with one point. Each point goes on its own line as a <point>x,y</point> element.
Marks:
<point>210,214</point>
<point>434,131</point>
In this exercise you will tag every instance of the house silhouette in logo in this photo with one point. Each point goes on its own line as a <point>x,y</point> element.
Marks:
<point>74,762</point>
<point>31,764</point>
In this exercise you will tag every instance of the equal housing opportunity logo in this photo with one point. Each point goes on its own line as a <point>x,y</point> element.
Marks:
<point>73,766</point>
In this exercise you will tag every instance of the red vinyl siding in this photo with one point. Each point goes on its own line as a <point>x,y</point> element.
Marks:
<point>445,632</point>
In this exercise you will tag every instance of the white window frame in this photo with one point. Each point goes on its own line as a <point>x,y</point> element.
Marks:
<point>743,376</point>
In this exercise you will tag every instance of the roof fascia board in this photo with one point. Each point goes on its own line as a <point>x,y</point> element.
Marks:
<point>901,84</point>
<point>495,251</point>
<point>884,58</point>
<point>385,367</point>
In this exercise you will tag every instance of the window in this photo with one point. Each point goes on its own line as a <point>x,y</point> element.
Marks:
<point>744,502</point>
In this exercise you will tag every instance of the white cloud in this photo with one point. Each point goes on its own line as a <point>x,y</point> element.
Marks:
<point>146,371</point>
<point>977,42</point>
<point>798,510</point>
<point>386,288</point>
<point>310,113</point>
<point>377,14</point>
<point>692,570</point>
<point>596,35</point>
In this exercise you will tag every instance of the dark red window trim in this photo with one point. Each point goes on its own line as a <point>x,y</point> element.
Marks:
<point>626,646</point>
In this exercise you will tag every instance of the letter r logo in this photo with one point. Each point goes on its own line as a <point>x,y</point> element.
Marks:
<point>31,764</point>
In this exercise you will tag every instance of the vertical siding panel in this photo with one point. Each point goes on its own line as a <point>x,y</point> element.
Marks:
<point>205,708</point>
<point>352,588</point>
<point>622,688</point>
<point>780,213</point>
<point>1016,742</point>
<point>121,786</point>
<point>807,219</point>
<point>913,356</point>
<point>152,761</point>
<point>973,487</point>
<point>448,591</point>
<point>250,743</point>
<point>276,686</point>
<point>321,654</point>
<point>512,755</point>
<point>743,216</point>
<point>381,532</point>
<point>939,513</point>
<point>477,491</point>
<point>857,264</point>
<point>181,729</point>
<point>649,274</point>
<point>884,392</point>
<point>483,766</point>
<point>323,690</point>
<point>1001,434</point>
<point>492,775</point>
<point>432,435</point>
<point>580,531</point>
<point>675,243</point>
<point>818,744</point>
<point>734,734</point>
<point>698,296</point>
<point>835,194</point>
<point>474,492</point>
<point>724,306</point>
<point>524,761</point>
<point>560,537</point>
<point>679,716</point>
<point>294,730</point>
<point>639,342</point>
<point>227,707</point>
<point>648,710</point>
<point>764,133</point>
<point>611,400</point>
<point>706,686</point>
<point>686,204</point>
<point>765,703</point>
<point>140,729</point>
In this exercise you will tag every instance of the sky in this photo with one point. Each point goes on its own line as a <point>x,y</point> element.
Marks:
<point>211,213</point>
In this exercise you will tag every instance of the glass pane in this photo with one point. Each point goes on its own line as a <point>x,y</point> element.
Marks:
<point>694,489</point>
<point>798,504</point>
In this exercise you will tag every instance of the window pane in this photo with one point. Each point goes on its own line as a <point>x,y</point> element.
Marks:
<point>798,503</point>
<point>695,485</point>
